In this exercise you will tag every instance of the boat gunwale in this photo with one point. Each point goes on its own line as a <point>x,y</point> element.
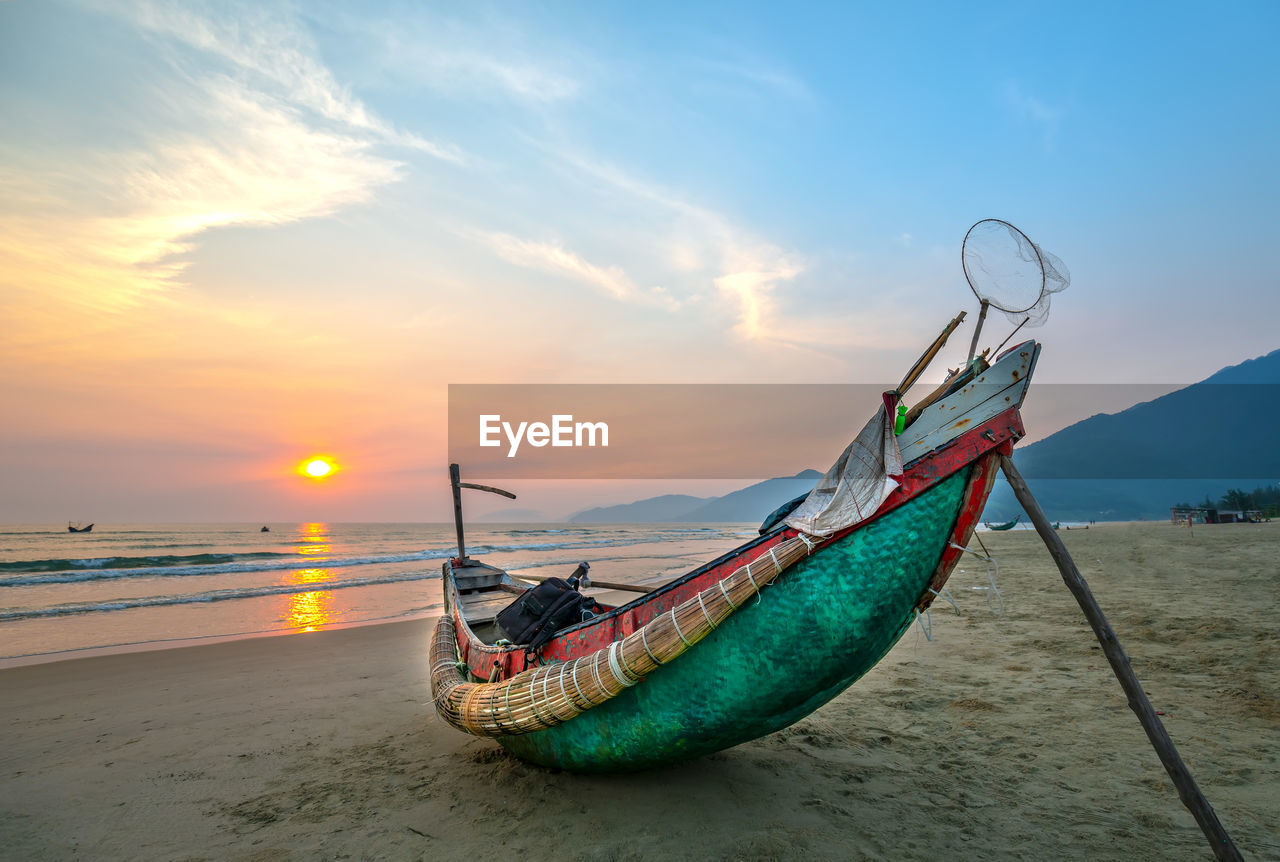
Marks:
<point>925,472</point>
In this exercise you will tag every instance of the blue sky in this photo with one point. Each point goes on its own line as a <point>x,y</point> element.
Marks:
<point>235,234</point>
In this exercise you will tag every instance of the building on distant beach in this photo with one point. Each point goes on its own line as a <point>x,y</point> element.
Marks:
<point>1180,514</point>
<point>1199,515</point>
<point>1250,516</point>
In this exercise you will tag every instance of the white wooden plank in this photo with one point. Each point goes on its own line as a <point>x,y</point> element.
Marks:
<point>1000,387</point>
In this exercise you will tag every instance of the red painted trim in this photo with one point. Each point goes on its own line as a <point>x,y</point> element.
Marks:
<point>975,497</point>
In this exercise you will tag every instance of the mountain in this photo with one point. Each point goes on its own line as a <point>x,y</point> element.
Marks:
<point>668,507</point>
<point>1197,441</point>
<point>754,502</point>
<point>747,505</point>
<point>1264,369</point>
<point>1201,440</point>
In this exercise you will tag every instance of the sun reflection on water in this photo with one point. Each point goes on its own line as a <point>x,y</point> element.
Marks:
<point>311,610</point>
<point>314,540</point>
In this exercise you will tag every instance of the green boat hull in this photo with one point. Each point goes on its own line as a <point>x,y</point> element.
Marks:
<point>815,631</point>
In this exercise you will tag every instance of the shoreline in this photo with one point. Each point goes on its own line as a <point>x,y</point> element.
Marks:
<point>76,653</point>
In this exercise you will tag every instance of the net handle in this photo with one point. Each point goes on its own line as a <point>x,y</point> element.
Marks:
<point>977,330</point>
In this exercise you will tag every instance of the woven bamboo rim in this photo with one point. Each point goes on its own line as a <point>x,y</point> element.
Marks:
<point>550,695</point>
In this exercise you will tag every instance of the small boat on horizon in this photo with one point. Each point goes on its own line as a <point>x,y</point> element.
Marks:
<point>71,528</point>
<point>265,529</point>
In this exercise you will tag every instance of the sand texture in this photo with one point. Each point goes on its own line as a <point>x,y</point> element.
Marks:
<point>1006,737</point>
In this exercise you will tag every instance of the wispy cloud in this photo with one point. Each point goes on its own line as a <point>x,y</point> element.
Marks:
<point>720,262</point>
<point>265,138</point>
<point>553,258</point>
<point>751,290</point>
<point>496,62</point>
<point>479,72</point>
<point>1026,106</point>
<point>255,163</point>
<point>761,77</point>
<point>735,277</point>
<point>274,48</point>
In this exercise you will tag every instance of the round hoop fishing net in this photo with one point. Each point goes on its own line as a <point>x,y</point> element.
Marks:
<point>1008,271</point>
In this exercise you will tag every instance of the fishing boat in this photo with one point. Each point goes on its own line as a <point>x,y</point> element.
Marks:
<point>72,528</point>
<point>1008,525</point>
<point>757,639</point>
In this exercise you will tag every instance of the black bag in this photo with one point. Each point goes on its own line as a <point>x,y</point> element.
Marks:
<point>542,611</point>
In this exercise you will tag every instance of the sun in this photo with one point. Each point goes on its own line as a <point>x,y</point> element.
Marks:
<point>317,468</point>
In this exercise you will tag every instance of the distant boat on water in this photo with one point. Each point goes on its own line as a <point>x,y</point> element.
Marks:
<point>265,530</point>
<point>71,528</point>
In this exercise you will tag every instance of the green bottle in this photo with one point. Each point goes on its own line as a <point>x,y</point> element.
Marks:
<point>900,424</point>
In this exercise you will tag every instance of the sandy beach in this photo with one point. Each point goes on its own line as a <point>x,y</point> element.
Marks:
<point>1004,737</point>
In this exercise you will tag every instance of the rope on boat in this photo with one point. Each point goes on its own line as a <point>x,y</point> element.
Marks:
<point>710,621</point>
<point>946,594</point>
<point>726,596</point>
<point>540,698</point>
<point>928,631</point>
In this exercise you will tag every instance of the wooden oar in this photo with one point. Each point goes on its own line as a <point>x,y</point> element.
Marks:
<point>1188,791</point>
<point>923,362</point>
<point>604,585</point>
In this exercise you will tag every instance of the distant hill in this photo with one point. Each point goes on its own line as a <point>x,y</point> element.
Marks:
<point>753,503</point>
<point>1140,461</point>
<point>747,505</point>
<point>1121,466</point>
<point>668,507</point>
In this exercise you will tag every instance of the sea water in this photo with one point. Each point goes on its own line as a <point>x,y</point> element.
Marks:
<point>130,586</point>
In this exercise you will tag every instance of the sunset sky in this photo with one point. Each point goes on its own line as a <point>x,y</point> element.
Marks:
<point>237,236</point>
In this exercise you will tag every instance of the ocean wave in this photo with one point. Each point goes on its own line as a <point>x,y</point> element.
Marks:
<point>239,565</point>
<point>10,614</point>
<point>70,571</point>
<point>70,608</point>
<point>153,561</point>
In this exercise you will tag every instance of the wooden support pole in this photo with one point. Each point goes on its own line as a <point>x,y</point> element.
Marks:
<point>1223,847</point>
<point>456,482</point>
